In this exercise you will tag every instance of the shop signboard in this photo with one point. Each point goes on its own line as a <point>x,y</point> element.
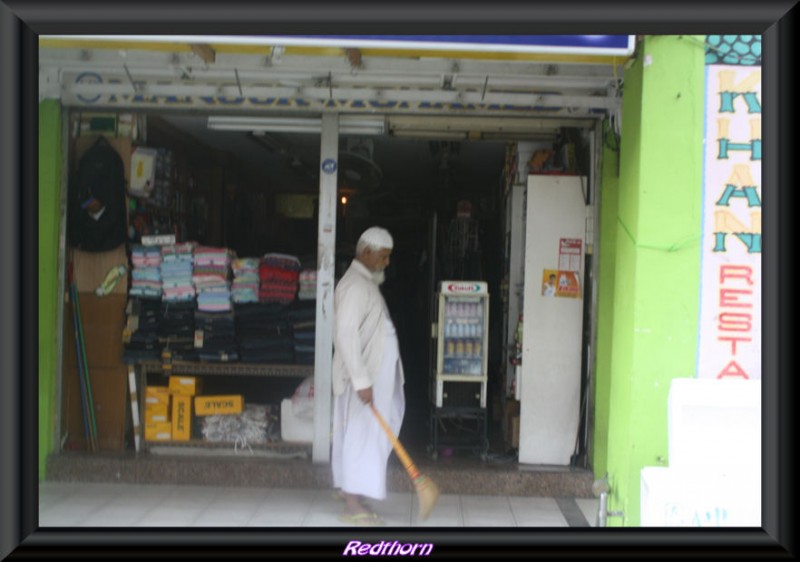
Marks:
<point>586,45</point>
<point>729,343</point>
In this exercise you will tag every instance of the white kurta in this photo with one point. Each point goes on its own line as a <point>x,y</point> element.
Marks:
<point>361,449</point>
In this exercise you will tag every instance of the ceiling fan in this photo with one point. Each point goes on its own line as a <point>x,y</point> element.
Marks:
<point>357,169</point>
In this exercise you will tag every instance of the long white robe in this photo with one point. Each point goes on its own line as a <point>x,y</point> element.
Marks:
<point>361,449</point>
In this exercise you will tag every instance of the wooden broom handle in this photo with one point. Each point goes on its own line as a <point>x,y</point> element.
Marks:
<point>408,464</point>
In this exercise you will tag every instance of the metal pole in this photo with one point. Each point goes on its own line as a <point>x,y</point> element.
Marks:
<point>326,262</point>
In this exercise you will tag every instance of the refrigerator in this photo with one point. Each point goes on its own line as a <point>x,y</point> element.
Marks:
<point>462,333</point>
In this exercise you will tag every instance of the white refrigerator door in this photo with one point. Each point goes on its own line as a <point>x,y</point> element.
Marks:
<point>551,343</point>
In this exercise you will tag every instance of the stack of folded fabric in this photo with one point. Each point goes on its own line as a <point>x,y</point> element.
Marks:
<point>146,273</point>
<point>210,279</point>
<point>176,272</point>
<point>264,333</point>
<point>308,285</point>
<point>302,316</point>
<point>279,275</point>
<point>216,339</point>
<point>144,319</point>
<point>177,329</point>
<point>245,280</point>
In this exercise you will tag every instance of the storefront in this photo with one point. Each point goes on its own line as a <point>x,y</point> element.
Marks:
<point>619,229</point>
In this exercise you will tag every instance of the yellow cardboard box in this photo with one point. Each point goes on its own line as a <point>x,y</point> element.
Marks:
<point>156,395</point>
<point>156,413</point>
<point>159,431</point>
<point>211,405</point>
<point>181,418</point>
<point>183,386</point>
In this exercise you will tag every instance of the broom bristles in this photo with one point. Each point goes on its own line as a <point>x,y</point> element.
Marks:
<point>428,493</point>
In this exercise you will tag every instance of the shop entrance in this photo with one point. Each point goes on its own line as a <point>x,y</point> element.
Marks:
<point>446,200</point>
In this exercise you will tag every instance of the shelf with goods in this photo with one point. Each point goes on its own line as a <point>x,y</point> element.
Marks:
<point>237,405</point>
<point>256,347</point>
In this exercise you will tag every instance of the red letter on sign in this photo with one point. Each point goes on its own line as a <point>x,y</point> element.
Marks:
<point>728,297</point>
<point>734,322</point>
<point>733,342</point>
<point>732,370</point>
<point>736,272</point>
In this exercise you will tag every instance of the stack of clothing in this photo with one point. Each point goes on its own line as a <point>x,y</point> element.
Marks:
<point>245,280</point>
<point>264,333</point>
<point>176,272</point>
<point>210,278</point>
<point>217,334</point>
<point>302,316</point>
<point>279,275</point>
<point>146,273</point>
<point>144,324</point>
<point>177,329</point>
<point>308,285</point>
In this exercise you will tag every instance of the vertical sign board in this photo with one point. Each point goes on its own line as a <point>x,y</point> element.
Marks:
<point>730,294</point>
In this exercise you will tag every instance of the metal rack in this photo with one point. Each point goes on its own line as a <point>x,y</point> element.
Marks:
<point>214,369</point>
<point>458,413</point>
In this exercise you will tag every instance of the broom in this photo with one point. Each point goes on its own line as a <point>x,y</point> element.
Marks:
<point>427,490</point>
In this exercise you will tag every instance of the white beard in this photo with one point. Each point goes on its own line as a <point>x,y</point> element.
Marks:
<point>379,277</point>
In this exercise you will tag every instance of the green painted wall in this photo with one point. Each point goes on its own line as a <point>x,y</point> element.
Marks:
<point>50,159</point>
<point>656,270</point>
<point>608,202</point>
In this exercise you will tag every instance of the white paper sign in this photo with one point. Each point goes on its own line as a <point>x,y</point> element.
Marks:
<point>730,299</point>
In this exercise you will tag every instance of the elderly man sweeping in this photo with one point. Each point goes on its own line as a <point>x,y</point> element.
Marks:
<point>367,371</point>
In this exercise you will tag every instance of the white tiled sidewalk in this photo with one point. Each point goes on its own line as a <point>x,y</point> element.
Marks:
<point>66,504</point>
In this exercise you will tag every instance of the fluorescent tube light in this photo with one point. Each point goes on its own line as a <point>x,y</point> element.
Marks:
<point>348,124</point>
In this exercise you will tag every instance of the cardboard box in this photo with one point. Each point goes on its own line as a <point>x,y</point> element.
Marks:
<point>160,431</point>
<point>181,418</point>
<point>183,386</point>
<point>154,413</point>
<point>515,432</point>
<point>212,405</point>
<point>511,412</point>
<point>155,395</point>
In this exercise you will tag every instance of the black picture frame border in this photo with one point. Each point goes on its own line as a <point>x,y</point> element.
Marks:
<point>21,22</point>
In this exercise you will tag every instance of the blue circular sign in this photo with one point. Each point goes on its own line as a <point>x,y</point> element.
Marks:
<point>89,78</point>
<point>329,166</point>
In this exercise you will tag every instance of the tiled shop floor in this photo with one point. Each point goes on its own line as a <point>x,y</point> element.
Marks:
<point>71,504</point>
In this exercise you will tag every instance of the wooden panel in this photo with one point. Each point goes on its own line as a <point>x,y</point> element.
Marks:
<point>103,321</point>
<point>110,398</point>
<point>90,269</point>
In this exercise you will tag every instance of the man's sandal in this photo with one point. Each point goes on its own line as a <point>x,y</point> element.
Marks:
<point>362,519</point>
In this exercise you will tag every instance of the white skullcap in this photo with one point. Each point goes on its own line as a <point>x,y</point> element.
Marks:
<point>377,237</point>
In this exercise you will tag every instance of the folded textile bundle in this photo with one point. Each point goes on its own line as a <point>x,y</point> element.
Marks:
<point>210,275</point>
<point>214,301</point>
<point>145,256</point>
<point>277,292</point>
<point>177,322</point>
<point>145,274</point>
<point>308,285</point>
<point>178,252</point>
<point>144,324</point>
<point>283,261</point>
<point>245,280</point>
<point>278,274</point>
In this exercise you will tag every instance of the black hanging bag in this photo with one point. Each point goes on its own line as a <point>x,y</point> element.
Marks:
<point>97,200</point>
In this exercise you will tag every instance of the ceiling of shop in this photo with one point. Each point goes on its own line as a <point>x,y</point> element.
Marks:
<point>289,161</point>
<point>482,100</point>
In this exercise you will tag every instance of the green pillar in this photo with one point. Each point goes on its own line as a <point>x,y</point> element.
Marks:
<point>50,159</point>
<point>657,258</point>
<point>609,201</point>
